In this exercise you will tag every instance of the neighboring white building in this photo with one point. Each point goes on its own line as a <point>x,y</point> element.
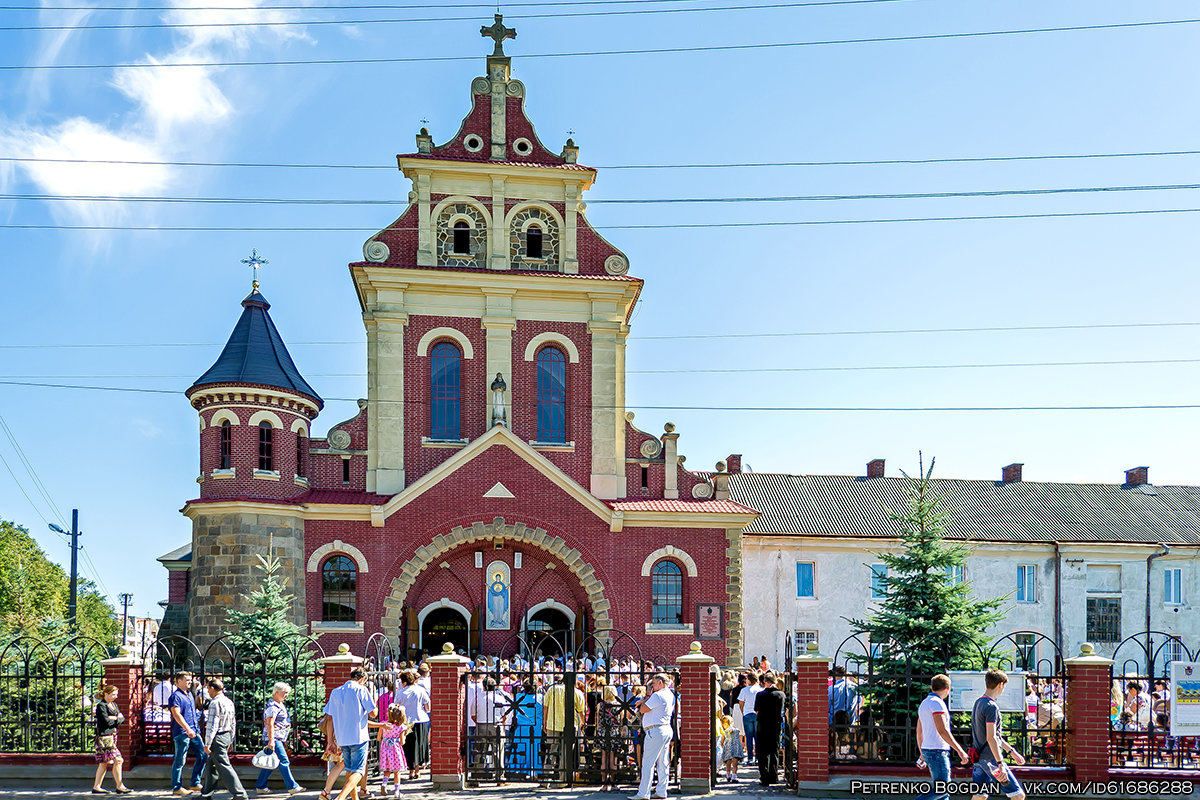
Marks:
<point>1073,559</point>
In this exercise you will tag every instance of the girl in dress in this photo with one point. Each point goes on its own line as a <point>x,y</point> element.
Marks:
<point>731,748</point>
<point>391,747</point>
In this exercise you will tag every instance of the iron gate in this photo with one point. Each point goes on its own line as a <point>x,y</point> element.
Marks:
<point>788,678</point>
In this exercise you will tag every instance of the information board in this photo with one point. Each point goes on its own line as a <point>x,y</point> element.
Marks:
<point>967,687</point>
<point>1185,698</point>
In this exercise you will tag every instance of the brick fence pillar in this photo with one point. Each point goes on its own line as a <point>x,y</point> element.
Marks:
<point>446,719</point>
<point>1087,695</point>
<point>125,673</point>
<point>337,668</point>
<point>811,713</point>
<point>697,708</point>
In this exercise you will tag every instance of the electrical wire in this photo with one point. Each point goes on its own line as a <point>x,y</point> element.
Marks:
<point>655,226</point>
<point>402,6</point>
<point>467,403</point>
<point>37,481</point>
<point>730,165</point>
<point>589,53</point>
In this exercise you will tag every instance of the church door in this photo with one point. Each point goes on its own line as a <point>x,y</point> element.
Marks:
<point>545,624</point>
<point>444,625</point>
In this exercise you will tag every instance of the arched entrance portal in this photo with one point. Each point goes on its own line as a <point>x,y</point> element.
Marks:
<point>444,625</point>
<point>550,623</point>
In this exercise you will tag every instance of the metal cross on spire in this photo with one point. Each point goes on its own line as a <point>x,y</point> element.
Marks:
<point>255,261</point>
<point>498,32</point>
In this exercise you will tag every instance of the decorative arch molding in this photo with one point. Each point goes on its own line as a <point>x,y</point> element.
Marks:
<point>551,337</point>
<point>457,336</point>
<point>221,415</point>
<point>337,546</point>
<point>428,555</point>
<point>548,604</point>
<point>300,427</point>
<point>545,208</point>
<point>445,602</point>
<point>461,199</point>
<point>259,417</point>
<point>673,553</point>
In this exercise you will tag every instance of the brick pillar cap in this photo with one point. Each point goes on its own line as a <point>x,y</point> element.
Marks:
<point>696,656</point>
<point>343,656</point>
<point>125,659</point>
<point>448,656</point>
<point>811,653</point>
<point>1087,655</point>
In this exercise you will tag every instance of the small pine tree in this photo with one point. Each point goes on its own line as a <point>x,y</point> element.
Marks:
<point>268,622</point>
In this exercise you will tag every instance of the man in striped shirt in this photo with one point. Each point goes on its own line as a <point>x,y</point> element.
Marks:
<point>219,724</point>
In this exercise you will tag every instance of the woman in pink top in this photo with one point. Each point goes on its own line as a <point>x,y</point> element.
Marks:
<point>385,700</point>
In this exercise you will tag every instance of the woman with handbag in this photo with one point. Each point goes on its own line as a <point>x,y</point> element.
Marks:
<point>108,719</point>
<point>277,726</point>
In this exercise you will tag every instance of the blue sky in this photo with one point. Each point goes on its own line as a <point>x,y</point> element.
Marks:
<point>129,460</point>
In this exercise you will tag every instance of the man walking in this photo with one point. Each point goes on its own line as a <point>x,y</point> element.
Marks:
<point>933,736</point>
<point>749,717</point>
<point>185,733</point>
<point>656,711</point>
<point>990,769</point>
<point>219,724</point>
<point>769,704</point>
<point>346,714</point>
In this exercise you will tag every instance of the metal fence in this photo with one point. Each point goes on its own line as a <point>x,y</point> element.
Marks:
<point>875,690</point>
<point>249,669</point>
<point>1139,707</point>
<point>48,692</point>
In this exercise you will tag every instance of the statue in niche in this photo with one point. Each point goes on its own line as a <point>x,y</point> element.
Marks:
<point>498,389</point>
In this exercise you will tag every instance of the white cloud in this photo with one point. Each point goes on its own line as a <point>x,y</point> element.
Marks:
<point>148,429</point>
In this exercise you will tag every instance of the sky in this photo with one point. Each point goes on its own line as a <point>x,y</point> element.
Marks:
<point>145,312</point>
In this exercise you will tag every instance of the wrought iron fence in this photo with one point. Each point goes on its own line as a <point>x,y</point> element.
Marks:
<point>249,670</point>
<point>876,688</point>
<point>1139,705</point>
<point>48,692</point>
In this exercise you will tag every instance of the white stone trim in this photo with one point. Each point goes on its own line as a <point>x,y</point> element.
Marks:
<point>266,474</point>
<point>300,427</point>
<point>224,473</point>
<point>548,603</point>
<point>456,218</point>
<point>221,415</point>
<point>456,199</point>
<point>541,206</point>
<point>673,553</point>
<point>317,626</point>
<point>669,629</point>
<point>264,415</point>
<point>551,337</point>
<point>445,602</point>
<point>341,548</point>
<point>434,334</point>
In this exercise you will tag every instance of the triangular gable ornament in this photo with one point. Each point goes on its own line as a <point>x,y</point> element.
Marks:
<point>499,490</point>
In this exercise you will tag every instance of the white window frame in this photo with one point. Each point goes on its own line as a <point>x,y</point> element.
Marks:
<point>812,596</point>
<point>874,573</point>
<point>800,640</point>
<point>1030,587</point>
<point>956,574</point>
<point>1172,589</point>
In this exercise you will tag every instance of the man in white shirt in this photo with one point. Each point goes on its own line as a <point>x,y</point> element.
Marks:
<point>749,717</point>
<point>488,712</point>
<point>934,738</point>
<point>345,726</point>
<point>656,711</point>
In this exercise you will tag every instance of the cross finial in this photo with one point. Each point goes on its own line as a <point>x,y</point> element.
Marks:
<point>498,32</point>
<point>255,261</point>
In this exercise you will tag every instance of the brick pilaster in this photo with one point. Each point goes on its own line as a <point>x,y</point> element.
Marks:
<point>1087,694</point>
<point>697,708</point>
<point>125,673</point>
<point>337,668</point>
<point>446,719</point>
<point>812,716</point>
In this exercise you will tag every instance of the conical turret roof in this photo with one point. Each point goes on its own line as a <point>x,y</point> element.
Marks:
<point>255,354</point>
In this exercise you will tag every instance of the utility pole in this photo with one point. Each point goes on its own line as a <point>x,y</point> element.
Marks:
<point>74,534</point>
<point>124,597</point>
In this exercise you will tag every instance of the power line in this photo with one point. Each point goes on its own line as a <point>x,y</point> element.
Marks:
<point>325,201</point>
<point>730,165</point>
<point>861,332</point>
<point>664,226</point>
<point>1144,407</point>
<point>392,21</point>
<point>37,481</point>
<point>394,6</point>
<point>589,53</point>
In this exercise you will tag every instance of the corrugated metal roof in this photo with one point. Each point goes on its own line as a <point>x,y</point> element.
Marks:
<point>839,505</point>
<point>693,506</point>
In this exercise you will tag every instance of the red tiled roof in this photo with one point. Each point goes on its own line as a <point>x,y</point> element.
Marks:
<point>693,506</point>
<point>485,160</point>
<point>511,272</point>
<point>342,497</point>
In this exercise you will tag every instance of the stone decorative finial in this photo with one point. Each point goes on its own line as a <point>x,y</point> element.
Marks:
<point>1086,649</point>
<point>811,647</point>
<point>669,427</point>
<point>254,261</point>
<point>447,648</point>
<point>343,649</point>
<point>720,466</point>
<point>499,33</point>
<point>695,648</point>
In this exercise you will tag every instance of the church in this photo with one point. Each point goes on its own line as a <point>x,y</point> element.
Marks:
<point>492,488</point>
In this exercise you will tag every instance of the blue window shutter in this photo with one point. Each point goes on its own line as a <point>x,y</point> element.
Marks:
<point>804,579</point>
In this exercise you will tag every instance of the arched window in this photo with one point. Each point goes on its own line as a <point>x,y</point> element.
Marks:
<point>445,392</point>
<point>339,592</point>
<point>551,395</point>
<point>666,593</point>
<point>462,237</point>
<point>299,456</point>
<point>226,445</point>
<point>266,458</point>
<point>533,242</point>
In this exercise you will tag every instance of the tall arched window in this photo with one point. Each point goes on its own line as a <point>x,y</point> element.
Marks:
<point>299,456</point>
<point>666,593</point>
<point>266,457</point>
<point>226,445</point>
<point>533,242</point>
<point>445,392</point>
<point>462,237</point>
<point>339,589</point>
<point>551,395</point>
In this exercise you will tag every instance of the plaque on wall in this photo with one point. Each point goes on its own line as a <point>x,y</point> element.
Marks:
<point>710,621</point>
